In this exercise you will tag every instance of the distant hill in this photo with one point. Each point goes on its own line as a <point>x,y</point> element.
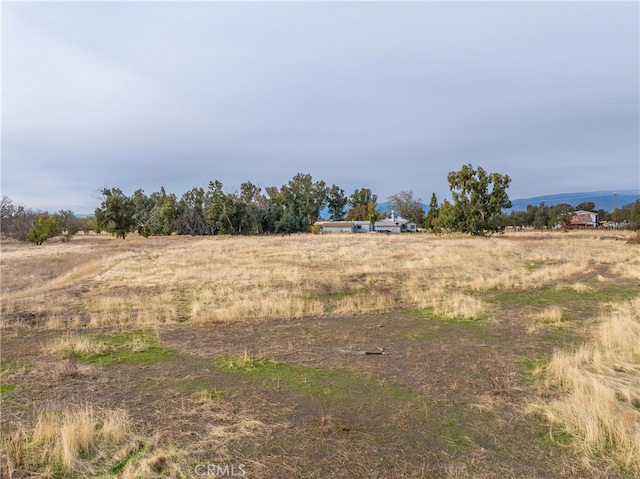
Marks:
<point>603,199</point>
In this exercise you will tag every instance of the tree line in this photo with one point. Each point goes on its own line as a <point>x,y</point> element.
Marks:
<point>545,216</point>
<point>478,199</point>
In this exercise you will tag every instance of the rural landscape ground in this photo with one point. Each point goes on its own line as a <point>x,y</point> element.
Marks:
<point>311,356</point>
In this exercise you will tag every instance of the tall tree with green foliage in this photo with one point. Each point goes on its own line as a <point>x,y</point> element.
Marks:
<point>302,199</point>
<point>586,206</point>
<point>635,216</point>
<point>190,216</point>
<point>478,200</point>
<point>226,212</point>
<point>362,196</point>
<point>624,213</point>
<point>255,205</point>
<point>560,215</point>
<point>359,201</point>
<point>336,203</point>
<point>446,219</point>
<point>116,214</point>
<point>163,213</point>
<point>142,206</point>
<point>432,214</point>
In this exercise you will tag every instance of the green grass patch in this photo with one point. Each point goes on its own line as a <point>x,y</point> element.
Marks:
<point>332,384</point>
<point>11,366</point>
<point>135,346</point>
<point>6,389</point>
<point>535,368</point>
<point>335,384</point>
<point>364,395</point>
<point>531,266</point>
<point>576,304</point>
<point>429,313</point>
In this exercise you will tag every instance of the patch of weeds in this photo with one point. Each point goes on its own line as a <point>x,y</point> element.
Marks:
<point>184,313</point>
<point>5,389</point>
<point>336,384</point>
<point>535,368</point>
<point>538,298</point>
<point>8,369</point>
<point>365,396</point>
<point>11,367</point>
<point>208,394</point>
<point>430,313</point>
<point>558,436</point>
<point>135,346</point>
<point>576,304</point>
<point>635,402</point>
<point>451,431</point>
<point>244,363</point>
<point>531,266</point>
<point>129,456</point>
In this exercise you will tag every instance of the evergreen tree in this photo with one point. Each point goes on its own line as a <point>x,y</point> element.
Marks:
<point>434,211</point>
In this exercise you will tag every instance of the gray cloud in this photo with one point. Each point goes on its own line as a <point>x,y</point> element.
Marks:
<point>389,96</point>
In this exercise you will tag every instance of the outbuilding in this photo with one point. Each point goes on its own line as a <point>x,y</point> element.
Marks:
<point>584,219</point>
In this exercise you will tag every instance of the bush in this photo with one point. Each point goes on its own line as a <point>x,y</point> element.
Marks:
<point>46,226</point>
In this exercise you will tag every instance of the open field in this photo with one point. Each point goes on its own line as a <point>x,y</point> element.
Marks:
<point>322,356</point>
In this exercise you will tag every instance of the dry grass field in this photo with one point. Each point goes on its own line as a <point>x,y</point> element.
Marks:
<point>367,356</point>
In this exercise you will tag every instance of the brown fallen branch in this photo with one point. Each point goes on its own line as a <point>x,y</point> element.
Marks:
<point>377,351</point>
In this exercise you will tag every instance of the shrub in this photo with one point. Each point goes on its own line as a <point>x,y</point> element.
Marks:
<point>46,226</point>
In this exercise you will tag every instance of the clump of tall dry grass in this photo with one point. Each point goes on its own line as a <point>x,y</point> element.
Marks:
<point>64,443</point>
<point>602,379</point>
<point>82,442</point>
<point>74,345</point>
<point>455,304</point>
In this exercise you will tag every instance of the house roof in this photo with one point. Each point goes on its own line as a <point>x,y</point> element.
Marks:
<point>338,224</point>
<point>393,220</point>
<point>583,218</point>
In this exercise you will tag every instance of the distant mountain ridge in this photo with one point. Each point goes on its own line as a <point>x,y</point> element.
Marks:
<point>602,199</point>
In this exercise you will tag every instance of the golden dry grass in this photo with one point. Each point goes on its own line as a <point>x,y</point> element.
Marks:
<point>145,281</point>
<point>551,314</point>
<point>602,377</point>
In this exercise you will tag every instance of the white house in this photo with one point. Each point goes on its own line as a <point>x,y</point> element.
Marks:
<point>391,224</point>
<point>395,224</point>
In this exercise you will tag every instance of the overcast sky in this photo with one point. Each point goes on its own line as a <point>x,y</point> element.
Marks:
<point>387,96</point>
